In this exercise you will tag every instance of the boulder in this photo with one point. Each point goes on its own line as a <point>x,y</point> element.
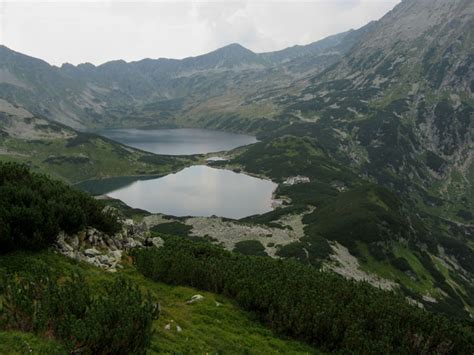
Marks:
<point>93,261</point>
<point>111,210</point>
<point>105,260</point>
<point>74,241</point>
<point>131,243</point>
<point>95,237</point>
<point>116,254</point>
<point>91,252</point>
<point>157,242</point>
<point>62,244</point>
<point>195,298</point>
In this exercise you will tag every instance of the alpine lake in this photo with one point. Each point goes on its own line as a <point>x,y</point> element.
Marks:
<point>197,190</point>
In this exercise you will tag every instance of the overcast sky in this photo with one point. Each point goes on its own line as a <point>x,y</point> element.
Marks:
<point>99,31</point>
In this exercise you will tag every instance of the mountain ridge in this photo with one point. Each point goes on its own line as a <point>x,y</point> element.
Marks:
<point>93,90</point>
<point>380,118</point>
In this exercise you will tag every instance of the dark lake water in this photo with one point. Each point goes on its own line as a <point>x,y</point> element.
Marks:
<point>182,141</point>
<point>198,191</point>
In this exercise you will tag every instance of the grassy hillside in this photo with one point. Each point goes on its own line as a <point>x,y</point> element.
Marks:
<point>51,304</point>
<point>18,343</point>
<point>216,324</point>
<point>70,155</point>
<point>59,305</point>
<point>317,307</point>
<point>212,325</point>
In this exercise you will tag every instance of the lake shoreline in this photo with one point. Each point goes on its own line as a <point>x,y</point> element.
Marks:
<point>177,141</point>
<point>197,190</point>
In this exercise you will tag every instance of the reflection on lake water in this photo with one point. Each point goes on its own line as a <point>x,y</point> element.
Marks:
<point>200,191</point>
<point>182,141</point>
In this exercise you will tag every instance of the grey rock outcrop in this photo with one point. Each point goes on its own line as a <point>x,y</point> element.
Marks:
<point>104,251</point>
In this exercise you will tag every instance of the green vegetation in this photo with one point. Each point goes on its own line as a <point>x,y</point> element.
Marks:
<point>34,208</point>
<point>290,155</point>
<point>126,210</point>
<point>434,161</point>
<point>250,247</point>
<point>320,308</point>
<point>401,264</point>
<point>361,214</point>
<point>87,156</point>
<point>173,228</point>
<point>398,115</point>
<point>212,325</point>
<point>53,305</point>
<point>293,250</point>
<point>18,343</point>
<point>117,323</point>
<point>365,214</point>
<point>419,274</point>
<point>458,248</point>
<point>310,250</point>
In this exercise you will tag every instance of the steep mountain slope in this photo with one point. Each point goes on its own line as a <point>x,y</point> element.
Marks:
<point>296,51</point>
<point>401,100</point>
<point>106,95</point>
<point>398,111</point>
<point>439,31</point>
<point>38,87</point>
<point>314,57</point>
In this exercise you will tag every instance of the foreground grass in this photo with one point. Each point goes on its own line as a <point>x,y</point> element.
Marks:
<point>212,325</point>
<point>24,343</point>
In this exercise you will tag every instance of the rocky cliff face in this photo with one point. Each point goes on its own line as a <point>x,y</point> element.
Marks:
<point>430,38</point>
<point>401,101</point>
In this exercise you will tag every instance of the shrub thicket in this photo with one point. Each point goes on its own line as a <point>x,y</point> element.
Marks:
<point>173,228</point>
<point>364,214</point>
<point>119,322</point>
<point>250,247</point>
<point>320,308</point>
<point>34,208</point>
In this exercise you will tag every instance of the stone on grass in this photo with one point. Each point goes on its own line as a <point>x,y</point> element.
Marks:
<point>195,298</point>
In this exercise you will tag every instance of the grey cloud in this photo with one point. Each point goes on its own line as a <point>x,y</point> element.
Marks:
<point>96,32</point>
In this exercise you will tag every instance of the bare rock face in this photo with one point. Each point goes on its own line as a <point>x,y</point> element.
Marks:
<point>102,250</point>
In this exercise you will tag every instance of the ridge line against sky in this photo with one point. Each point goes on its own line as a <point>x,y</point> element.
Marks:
<point>101,31</point>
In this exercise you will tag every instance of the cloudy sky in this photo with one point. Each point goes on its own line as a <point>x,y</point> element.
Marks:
<point>99,31</point>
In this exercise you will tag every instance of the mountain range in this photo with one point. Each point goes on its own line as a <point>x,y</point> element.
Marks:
<point>390,104</point>
<point>87,95</point>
